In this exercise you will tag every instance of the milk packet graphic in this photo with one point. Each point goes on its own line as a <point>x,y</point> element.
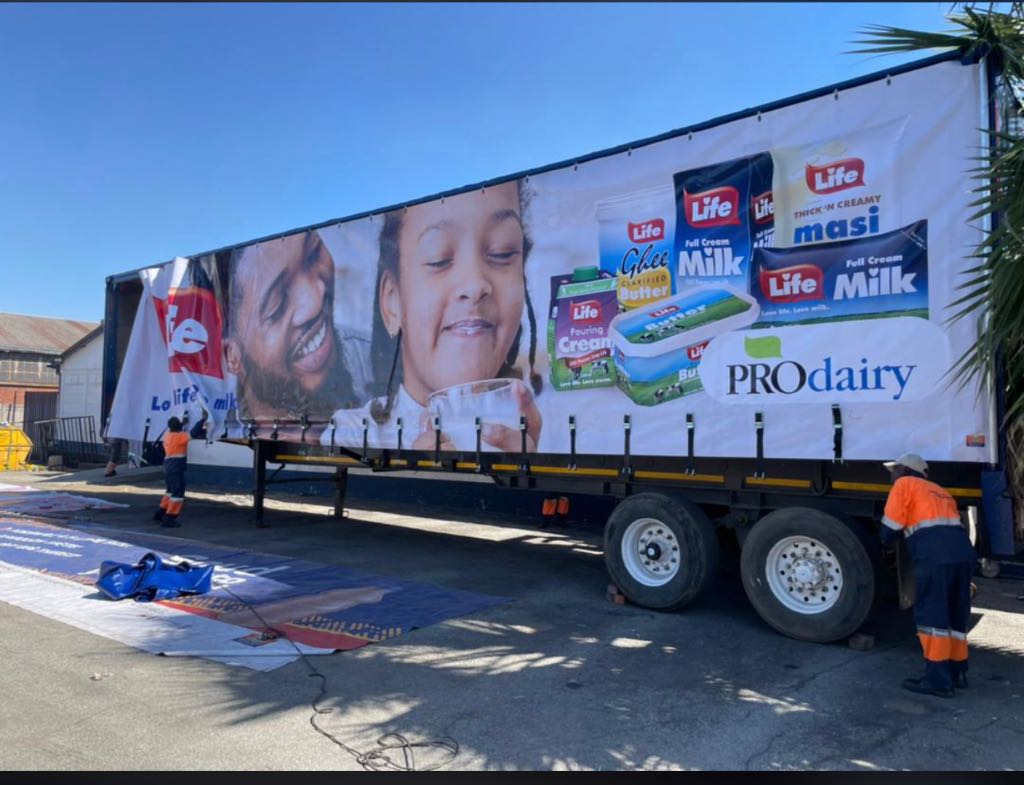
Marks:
<point>658,348</point>
<point>839,188</point>
<point>762,201</point>
<point>583,306</point>
<point>722,212</point>
<point>635,237</point>
<point>883,275</point>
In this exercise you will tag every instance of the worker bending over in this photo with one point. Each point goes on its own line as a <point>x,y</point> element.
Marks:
<point>943,561</point>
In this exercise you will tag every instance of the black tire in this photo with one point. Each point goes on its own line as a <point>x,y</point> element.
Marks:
<point>697,554</point>
<point>856,597</point>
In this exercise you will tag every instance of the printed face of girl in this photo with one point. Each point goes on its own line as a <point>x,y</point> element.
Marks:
<point>460,290</point>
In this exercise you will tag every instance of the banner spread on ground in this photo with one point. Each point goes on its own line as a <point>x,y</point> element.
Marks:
<point>778,264</point>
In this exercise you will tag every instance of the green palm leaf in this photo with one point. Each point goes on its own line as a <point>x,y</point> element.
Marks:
<point>992,292</point>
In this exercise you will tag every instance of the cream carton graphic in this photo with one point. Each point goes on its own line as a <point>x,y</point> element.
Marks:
<point>582,308</point>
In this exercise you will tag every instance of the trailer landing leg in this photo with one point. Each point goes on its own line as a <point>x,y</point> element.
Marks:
<point>259,468</point>
<point>340,487</point>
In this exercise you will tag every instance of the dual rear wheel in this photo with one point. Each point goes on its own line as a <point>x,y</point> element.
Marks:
<point>808,574</point>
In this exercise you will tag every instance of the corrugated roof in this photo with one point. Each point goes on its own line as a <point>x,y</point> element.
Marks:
<point>19,333</point>
<point>83,341</point>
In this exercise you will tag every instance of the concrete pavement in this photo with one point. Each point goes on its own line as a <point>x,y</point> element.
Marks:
<point>556,678</point>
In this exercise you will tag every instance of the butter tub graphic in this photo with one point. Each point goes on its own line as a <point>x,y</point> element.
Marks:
<point>658,347</point>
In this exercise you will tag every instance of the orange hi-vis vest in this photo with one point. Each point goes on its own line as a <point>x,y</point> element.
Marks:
<point>175,444</point>
<point>928,517</point>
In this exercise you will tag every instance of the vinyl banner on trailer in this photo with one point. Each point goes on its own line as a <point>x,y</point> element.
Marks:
<point>174,363</point>
<point>776,265</point>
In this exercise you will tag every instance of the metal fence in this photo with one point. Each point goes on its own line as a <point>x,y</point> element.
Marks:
<point>72,438</point>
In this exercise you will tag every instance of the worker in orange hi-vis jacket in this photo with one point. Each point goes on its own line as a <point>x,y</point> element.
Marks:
<point>175,442</point>
<point>943,558</point>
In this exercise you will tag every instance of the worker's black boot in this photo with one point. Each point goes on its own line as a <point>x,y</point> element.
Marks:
<point>171,522</point>
<point>960,681</point>
<point>924,687</point>
<point>158,516</point>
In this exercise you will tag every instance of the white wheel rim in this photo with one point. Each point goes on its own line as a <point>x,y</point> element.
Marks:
<point>650,552</point>
<point>804,575</point>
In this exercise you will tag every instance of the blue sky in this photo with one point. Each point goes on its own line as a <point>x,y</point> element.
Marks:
<point>134,133</point>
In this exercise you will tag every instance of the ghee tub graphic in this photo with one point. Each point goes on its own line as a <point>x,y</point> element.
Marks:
<point>658,349</point>
<point>635,235</point>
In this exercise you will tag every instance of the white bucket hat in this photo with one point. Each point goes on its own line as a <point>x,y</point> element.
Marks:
<point>911,460</point>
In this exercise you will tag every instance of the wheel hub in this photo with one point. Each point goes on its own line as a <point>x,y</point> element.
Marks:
<point>804,575</point>
<point>810,573</point>
<point>650,552</point>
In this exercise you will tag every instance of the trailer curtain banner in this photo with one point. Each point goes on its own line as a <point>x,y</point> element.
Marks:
<point>777,264</point>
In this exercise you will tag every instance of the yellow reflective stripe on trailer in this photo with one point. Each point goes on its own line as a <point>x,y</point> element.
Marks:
<point>778,482</point>
<point>870,487</point>
<point>315,459</point>
<point>643,474</point>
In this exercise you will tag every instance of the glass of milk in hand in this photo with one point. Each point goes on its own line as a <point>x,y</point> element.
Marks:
<point>492,400</point>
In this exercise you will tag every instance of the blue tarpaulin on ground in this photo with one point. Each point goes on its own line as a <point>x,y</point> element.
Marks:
<point>151,579</point>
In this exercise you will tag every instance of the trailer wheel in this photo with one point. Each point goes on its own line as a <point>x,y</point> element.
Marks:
<point>808,574</point>
<point>660,551</point>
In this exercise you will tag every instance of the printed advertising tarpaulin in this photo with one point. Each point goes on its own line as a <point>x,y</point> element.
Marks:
<point>175,361</point>
<point>777,264</point>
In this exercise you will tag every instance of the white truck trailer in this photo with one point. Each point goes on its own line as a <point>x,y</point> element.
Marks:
<point>729,326</point>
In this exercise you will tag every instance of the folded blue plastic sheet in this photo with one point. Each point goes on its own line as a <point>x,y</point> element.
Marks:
<point>151,579</point>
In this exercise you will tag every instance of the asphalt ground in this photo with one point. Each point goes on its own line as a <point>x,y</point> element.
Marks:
<point>558,677</point>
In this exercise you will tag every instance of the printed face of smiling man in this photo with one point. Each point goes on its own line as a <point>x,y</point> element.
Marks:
<point>282,344</point>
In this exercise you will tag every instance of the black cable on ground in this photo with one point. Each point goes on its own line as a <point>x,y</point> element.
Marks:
<point>375,760</point>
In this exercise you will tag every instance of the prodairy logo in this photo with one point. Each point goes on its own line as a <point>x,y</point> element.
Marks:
<point>762,207</point>
<point>716,207</point>
<point>882,361</point>
<point>190,325</point>
<point>793,284</point>
<point>835,176</point>
<point>585,312</point>
<point>651,231</point>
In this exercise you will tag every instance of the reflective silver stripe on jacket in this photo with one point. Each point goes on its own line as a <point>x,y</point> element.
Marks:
<point>934,631</point>
<point>892,524</point>
<point>928,524</point>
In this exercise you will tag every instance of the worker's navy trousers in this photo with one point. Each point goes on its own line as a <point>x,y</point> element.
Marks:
<point>941,611</point>
<point>174,474</point>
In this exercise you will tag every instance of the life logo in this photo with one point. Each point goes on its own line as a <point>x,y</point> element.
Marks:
<point>792,284</point>
<point>191,328</point>
<point>651,231</point>
<point>762,208</point>
<point>665,310</point>
<point>900,359</point>
<point>715,207</point>
<point>585,312</point>
<point>835,176</point>
<point>695,352</point>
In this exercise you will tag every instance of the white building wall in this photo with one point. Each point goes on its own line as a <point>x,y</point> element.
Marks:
<point>81,383</point>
